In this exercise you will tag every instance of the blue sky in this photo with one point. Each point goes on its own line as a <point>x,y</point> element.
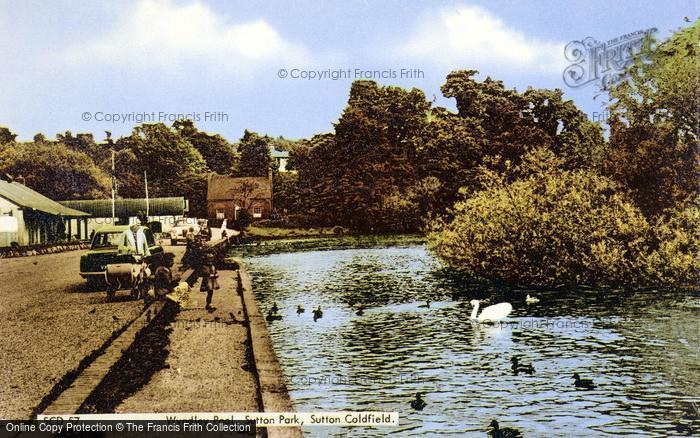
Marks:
<point>61,59</point>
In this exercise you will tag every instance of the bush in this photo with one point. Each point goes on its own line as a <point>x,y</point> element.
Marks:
<point>550,227</point>
<point>271,223</point>
<point>302,221</point>
<point>244,220</point>
<point>675,259</point>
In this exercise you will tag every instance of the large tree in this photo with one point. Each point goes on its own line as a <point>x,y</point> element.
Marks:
<point>654,148</point>
<point>219,154</point>
<point>450,151</point>
<point>55,170</point>
<point>355,176</point>
<point>256,159</point>
<point>509,124</point>
<point>164,154</point>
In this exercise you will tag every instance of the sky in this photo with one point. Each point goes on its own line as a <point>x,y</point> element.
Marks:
<point>282,67</point>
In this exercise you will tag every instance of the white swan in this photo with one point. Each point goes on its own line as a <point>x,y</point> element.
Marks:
<point>531,300</point>
<point>490,313</point>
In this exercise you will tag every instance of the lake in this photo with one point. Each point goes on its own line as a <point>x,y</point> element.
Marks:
<point>641,349</point>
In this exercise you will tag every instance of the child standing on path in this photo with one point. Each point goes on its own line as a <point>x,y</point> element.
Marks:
<point>209,279</point>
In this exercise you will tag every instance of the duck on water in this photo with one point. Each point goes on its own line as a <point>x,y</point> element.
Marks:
<point>583,383</point>
<point>495,431</point>
<point>519,367</point>
<point>318,313</point>
<point>418,404</point>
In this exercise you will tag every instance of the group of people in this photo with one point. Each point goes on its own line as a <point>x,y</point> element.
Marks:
<point>198,256</point>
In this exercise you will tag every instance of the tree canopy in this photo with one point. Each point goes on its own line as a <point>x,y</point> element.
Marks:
<point>255,158</point>
<point>55,170</point>
<point>653,148</point>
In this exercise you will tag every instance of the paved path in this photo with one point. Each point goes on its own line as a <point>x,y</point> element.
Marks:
<point>50,322</point>
<point>66,349</point>
<point>207,368</point>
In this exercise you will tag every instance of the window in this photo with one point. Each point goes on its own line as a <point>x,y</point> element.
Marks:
<point>257,212</point>
<point>106,240</point>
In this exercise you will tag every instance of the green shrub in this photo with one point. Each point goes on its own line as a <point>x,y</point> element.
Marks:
<point>549,227</point>
<point>675,259</point>
<point>301,220</point>
<point>271,223</point>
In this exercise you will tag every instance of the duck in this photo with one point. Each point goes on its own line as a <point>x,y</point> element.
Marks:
<point>274,308</point>
<point>426,305</point>
<point>418,404</point>
<point>300,309</point>
<point>531,300</point>
<point>517,367</point>
<point>272,316</point>
<point>583,383</point>
<point>318,313</point>
<point>360,311</point>
<point>490,313</point>
<point>497,432</point>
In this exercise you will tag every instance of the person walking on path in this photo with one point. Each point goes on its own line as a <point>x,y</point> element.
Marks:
<point>209,279</point>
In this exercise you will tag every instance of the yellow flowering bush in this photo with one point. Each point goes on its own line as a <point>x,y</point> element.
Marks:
<point>540,225</point>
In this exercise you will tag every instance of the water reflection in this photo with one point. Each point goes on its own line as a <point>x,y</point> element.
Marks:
<point>642,349</point>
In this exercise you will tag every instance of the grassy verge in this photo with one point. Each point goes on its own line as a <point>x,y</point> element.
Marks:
<point>264,233</point>
<point>320,243</point>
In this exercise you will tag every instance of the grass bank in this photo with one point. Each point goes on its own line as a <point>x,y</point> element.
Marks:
<point>257,232</point>
<point>320,243</point>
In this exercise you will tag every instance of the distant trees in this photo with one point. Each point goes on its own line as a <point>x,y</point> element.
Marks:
<point>84,142</point>
<point>176,160</point>
<point>390,145</point>
<point>6,136</point>
<point>55,170</point>
<point>255,157</point>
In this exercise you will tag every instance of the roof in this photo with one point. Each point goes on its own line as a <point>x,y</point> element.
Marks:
<point>278,154</point>
<point>25,197</point>
<point>226,188</point>
<point>112,228</point>
<point>129,207</point>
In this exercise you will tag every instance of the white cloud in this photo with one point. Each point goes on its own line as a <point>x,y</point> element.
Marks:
<point>471,37</point>
<point>162,35</point>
